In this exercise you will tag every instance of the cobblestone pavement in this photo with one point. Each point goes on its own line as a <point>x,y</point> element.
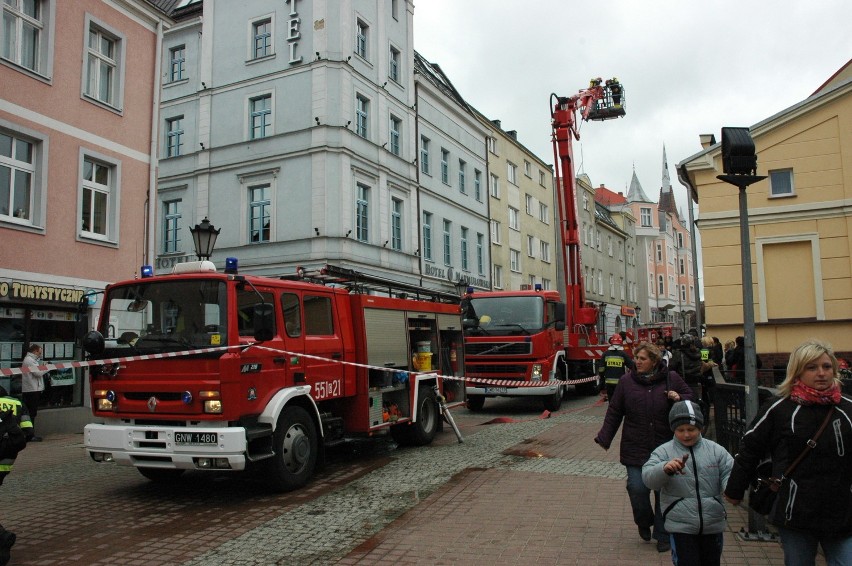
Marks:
<point>530,490</point>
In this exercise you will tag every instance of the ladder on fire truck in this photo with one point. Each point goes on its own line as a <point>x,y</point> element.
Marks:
<point>362,283</point>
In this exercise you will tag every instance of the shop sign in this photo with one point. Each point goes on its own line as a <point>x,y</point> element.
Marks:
<point>19,291</point>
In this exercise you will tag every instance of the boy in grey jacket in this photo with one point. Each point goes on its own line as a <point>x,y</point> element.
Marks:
<point>691,473</point>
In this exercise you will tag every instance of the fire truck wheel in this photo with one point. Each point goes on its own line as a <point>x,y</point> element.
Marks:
<point>475,402</point>
<point>160,475</point>
<point>423,431</point>
<point>553,402</point>
<point>296,448</point>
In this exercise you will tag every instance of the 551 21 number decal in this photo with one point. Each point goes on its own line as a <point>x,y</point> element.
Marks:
<point>327,389</point>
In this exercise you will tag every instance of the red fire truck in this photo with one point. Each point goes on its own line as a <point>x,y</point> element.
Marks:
<point>204,370</point>
<point>654,331</point>
<point>529,342</point>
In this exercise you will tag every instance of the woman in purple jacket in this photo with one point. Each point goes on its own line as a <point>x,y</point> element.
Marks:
<point>642,399</point>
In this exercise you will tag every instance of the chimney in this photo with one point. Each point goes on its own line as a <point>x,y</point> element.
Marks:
<point>513,134</point>
<point>496,122</point>
<point>707,140</point>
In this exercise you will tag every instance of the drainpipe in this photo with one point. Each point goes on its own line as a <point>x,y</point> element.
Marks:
<point>684,180</point>
<point>150,234</point>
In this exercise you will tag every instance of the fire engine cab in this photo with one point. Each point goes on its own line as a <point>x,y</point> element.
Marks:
<point>201,370</point>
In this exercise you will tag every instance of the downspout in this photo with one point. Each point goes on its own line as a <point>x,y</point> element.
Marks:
<point>693,194</point>
<point>150,238</point>
<point>417,178</point>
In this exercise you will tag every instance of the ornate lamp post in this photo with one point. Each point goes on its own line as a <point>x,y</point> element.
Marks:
<point>204,237</point>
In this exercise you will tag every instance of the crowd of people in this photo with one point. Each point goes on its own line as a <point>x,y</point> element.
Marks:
<point>661,406</point>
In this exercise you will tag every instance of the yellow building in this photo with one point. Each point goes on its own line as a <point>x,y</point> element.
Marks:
<point>800,226</point>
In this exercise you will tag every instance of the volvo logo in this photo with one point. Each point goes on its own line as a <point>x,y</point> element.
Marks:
<point>152,404</point>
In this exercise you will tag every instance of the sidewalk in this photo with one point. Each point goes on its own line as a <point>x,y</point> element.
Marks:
<point>556,498</point>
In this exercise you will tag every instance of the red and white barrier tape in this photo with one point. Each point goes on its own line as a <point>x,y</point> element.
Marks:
<point>106,361</point>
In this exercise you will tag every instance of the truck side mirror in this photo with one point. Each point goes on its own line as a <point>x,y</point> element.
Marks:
<point>559,313</point>
<point>264,322</point>
<point>94,343</point>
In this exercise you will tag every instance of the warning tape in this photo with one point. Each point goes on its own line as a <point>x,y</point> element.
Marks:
<point>113,361</point>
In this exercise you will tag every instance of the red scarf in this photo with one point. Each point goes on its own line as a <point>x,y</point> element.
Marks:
<point>804,395</point>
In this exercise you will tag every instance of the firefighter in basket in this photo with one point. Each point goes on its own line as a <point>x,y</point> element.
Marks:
<point>614,363</point>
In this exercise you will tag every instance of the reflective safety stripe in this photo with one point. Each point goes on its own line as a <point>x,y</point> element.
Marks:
<point>614,362</point>
<point>705,354</point>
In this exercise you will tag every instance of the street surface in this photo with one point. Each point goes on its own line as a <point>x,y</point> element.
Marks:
<point>521,489</point>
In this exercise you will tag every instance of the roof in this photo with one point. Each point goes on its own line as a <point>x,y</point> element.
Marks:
<point>635,193</point>
<point>609,198</point>
<point>435,75</point>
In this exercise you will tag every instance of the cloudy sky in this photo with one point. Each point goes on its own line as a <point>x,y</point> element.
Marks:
<point>688,68</point>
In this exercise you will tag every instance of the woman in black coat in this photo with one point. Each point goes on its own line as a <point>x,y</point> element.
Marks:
<point>814,505</point>
<point>642,400</point>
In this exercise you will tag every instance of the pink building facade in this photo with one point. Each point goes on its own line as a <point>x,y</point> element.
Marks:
<point>80,90</point>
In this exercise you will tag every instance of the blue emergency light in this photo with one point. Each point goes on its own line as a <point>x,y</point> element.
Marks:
<point>146,271</point>
<point>231,265</point>
<point>538,287</point>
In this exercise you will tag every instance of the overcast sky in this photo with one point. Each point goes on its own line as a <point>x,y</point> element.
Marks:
<point>688,68</point>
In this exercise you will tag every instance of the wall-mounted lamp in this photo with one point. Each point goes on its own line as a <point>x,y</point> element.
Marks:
<point>386,243</point>
<point>414,106</point>
<point>203,85</point>
<point>318,56</point>
<point>347,233</point>
<point>347,123</point>
<point>202,145</point>
<point>348,58</point>
<point>417,251</point>
<point>316,119</point>
<point>414,161</point>
<point>316,230</point>
<point>384,85</point>
<point>385,144</point>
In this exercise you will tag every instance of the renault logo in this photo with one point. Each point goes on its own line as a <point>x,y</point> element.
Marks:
<point>152,404</point>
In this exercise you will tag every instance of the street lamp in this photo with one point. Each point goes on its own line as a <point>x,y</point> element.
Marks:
<point>204,237</point>
<point>739,162</point>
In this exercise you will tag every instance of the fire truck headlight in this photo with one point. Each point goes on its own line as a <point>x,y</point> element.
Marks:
<point>213,406</point>
<point>105,405</point>
<point>536,372</point>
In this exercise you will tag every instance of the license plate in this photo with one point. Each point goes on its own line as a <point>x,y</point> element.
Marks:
<point>196,438</point>
<point>496,389</point>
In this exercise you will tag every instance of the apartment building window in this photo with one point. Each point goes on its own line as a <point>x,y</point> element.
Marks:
<point>545,284</point>
<point>260,209</point>
<point>528,204</point>
<point>393,64</point>
<point>361,36</point>
<point>171,226</point>
<point>495,186</point>
<point>514,219</point>
<point>781,183</point>
<point>598,240</point>
<point>17,174</point>
<point>103,58</point>
<point>395,133</point>
<point>395,9</point>
<point>586,202</point>
<point>492,145</point>
<point>611,285</point>
<point>515,260</point>
<point>477,185</point>
<point>396,224</point>
<point>497,276</point>
<point>362,114</point>
<point>682,266</point>
<point>600,282</point>
<point>680,239</point>
<point>645,217</point>
<point>24,35</point>
<point>512,173</point>
<point>177,63</point>
<point>659,253</point>
<point>609,245</point>
<point>527,169</point>
<point>545,252</point>
<point>683,293</point>
<point>464,265</point>
<point>480,253</point>
<point>98,199</point>
<point>621,287</point>
<point>427,236</point>
<point>445,166</point>
<point>531,281</point>
<point>531,246</point>
<point>462,172</point>
<point>362,213</point>
<point>261,38</point>
<point>448,241</point>
<point>424,154</point>
<point>260,116</point>
<point>585,234</point>
<point>661,286</point>
<point>495,232</point>
<point>174,136</point>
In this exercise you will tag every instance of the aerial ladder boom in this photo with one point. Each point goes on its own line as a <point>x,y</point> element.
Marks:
<point>600,101</point>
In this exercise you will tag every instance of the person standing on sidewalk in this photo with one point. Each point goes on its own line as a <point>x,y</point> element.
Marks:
<point>14,421</point>
<point>814,505</point>
<point>691,471</point>
<point>32,385</point>
<point>642,399</point>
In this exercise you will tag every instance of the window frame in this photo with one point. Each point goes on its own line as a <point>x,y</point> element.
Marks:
<point>171,226</point>
<point>263,205</point>
<point>396,216</point>
<point>463,245</point>
<point>362,116</point>
<point>775,177</point>
<point>445,166</point>
<point>448,242</point>
<point>117,61</point>
<point>514,218</point>
<point>267,115</point>
<point>174,137</point>
<point>395,135</point>
<point>462,176</point>
<point>394,64</point>
<point>494,188</point>
<point>362,212</point>
<point>362,38</point>
<point>477,185</point>
<point>177,74</point>
<point>43,24</point>
<point>112,191</point>
<point>424,155</point>
<point>267,50</point>
<point>427,235</point>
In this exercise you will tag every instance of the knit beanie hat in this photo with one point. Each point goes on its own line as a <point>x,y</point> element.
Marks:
<point>685,412</point>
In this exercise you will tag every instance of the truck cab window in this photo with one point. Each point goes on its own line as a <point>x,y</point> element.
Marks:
<point>292,314</point>
<point>318,316</point>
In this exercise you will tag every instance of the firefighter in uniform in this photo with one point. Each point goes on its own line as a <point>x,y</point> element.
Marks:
<point>613,364</point>
<point>14,420</point>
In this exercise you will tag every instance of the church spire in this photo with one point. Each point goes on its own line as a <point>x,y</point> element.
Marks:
<point>667,182</point>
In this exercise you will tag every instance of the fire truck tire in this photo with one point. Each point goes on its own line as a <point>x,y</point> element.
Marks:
<point>161,475</point>
<point>553,402</point>
<point>296,448</point>
<point>423,431</point>
<point>475,402</point>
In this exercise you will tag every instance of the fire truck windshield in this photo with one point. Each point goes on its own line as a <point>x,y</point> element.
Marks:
<point>504,315</point>
<point>164,316</point>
